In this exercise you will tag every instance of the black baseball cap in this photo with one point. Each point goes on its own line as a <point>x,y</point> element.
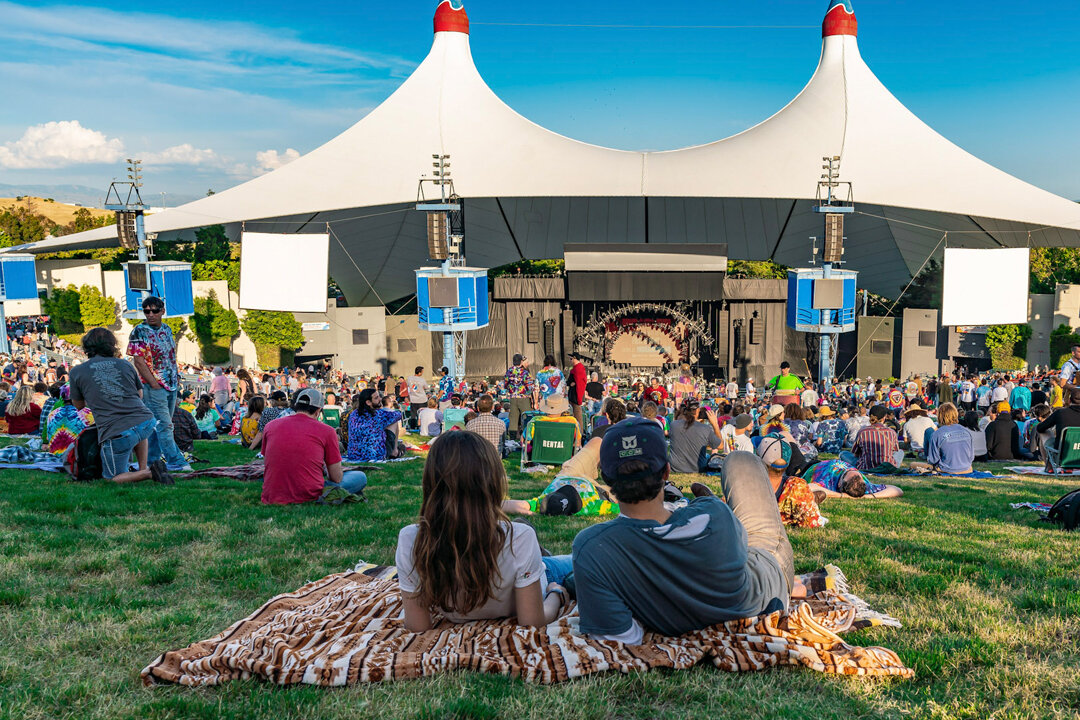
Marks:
<point>631,440</point>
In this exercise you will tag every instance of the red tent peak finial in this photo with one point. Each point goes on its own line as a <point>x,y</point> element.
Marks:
<point>450,17</point>
<point>840,19</point>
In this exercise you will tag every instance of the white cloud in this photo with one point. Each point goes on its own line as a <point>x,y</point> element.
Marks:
<point>268,160</point>
<point>60,144</point>
<point>185,154</point>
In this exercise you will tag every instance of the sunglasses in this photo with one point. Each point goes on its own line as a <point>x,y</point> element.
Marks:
<point>153,310</point>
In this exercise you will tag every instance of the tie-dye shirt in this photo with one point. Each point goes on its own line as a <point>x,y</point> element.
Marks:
<point>550,381</point>
<point>518,382</point>
<point>157,347</point>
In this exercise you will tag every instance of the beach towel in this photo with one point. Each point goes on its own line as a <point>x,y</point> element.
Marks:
<point>1039,470</point>
<point>348,628</point>
<point>20,457</point>
<point>1041,508</point>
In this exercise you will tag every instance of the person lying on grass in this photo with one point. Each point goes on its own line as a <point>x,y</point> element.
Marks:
<point>651,569</point>
<point>574,490</point>
<point>837,479</point>
<point>464,559</point>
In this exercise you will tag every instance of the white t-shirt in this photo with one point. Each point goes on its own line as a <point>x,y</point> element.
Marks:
<point>418,388</point>
<point>967,391</point>
<point>1069,369</point>
<point>999,394</point>
<point>736,441</point>
<point>732,390</point>
<point>430,421</point>
<point>809,397</point>
<point>520,565</point>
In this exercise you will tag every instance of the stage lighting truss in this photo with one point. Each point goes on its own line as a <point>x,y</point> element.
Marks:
<point>593,339</point>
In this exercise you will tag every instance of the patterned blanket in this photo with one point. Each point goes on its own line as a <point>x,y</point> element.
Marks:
<point>347,628</point>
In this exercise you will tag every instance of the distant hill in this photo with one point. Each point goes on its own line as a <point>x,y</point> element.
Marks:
<point>72,194</point>
<point>60,213</point>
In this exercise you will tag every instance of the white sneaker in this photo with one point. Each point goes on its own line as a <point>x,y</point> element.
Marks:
<point>182,469</point>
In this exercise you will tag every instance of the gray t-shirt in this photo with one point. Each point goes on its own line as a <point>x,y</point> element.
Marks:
<point>686,444</point>
<point>110,388</point>
<point>687,574</point>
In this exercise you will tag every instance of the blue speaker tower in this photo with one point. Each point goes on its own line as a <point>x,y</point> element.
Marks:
<point>18,281</point>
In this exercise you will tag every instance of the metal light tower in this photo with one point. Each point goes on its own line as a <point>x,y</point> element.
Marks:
<point>452,299</point>
<point>830,204</point>
<point>125,200</point>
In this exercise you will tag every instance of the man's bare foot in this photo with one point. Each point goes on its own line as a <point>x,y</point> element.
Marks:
<point>798,590</point>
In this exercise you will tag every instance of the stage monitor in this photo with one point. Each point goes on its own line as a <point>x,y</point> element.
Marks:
<point>985,287</point>
<point>287,273</point>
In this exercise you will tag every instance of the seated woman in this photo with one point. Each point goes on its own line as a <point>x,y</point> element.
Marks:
<point>23,416</point>
<point>464,559</point>
<point>367,425</point>
<point>249,425</point>
<point>695,434</point>
<point>970,422</point>
<point>430,419</point>
<point>838,479</point>
<point>64,424</point>
<point>612,412</point>
<point>207,418</point>
<point>800,425</point>
<point>950,450</point>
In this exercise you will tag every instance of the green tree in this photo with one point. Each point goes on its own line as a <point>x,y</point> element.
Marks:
<point>20,225</point>
<point>95,308</point>
<point>276,336</point>
<point>758,269</point>
<point>1050,266</point>
<point>1008,345</point>
<point>214,326</point>
<point>228,270</point>
<point>63,310</point>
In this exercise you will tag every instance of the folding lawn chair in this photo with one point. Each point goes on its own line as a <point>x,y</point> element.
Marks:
<point>1064,454</point>
<point>454,417</point>
<point>548,442</point>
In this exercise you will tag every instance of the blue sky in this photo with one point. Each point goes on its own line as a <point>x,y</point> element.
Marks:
<point>212,93</point>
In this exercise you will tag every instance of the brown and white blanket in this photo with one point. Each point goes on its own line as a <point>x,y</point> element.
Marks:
<point>347,628</point>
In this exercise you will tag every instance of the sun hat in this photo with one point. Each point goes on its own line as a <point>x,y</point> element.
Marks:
<point>825,411</point>
<point>555,405</point>
<point>775,410</point>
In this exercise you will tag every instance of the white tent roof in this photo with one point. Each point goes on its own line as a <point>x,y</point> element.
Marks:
<point>753,191</point>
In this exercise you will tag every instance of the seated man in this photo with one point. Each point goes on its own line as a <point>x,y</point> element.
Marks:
<point>430,419</point>
<point>837,479</point>
<point>487,426</point>
<point>675,572</point>
<point>298,449</point>
<point>875,445</point>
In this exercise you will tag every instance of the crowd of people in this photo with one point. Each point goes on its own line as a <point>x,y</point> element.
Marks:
<point>670,559</point>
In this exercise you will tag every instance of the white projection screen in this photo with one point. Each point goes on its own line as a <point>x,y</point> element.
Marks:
<point>284,272</point>
<point>985,287</point>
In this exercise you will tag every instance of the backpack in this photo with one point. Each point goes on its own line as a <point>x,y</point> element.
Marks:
<point>1066,511</point>
<point>83,461</point>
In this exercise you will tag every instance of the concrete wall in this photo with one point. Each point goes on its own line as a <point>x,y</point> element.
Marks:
<point>61,273</point>
<point>1067,306</point>
<point>1041,319</point>
<point>338,340</point>
<point>916,359</point>
<point>868,363</point>
<point>401,332</point>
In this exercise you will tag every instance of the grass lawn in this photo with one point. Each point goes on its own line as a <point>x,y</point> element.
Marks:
<point>97,580</point>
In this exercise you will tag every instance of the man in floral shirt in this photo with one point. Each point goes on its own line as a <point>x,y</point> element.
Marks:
<point>519,387</point>
<point>153,352</point>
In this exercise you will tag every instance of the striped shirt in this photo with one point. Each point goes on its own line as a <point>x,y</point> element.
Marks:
<point>875,446</point>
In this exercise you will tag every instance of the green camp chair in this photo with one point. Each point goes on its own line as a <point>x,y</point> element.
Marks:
<point>1065,453</point>
<point>552,442</point>
<point>454,417</point>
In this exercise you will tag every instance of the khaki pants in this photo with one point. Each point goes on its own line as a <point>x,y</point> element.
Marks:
<point>518,406</point>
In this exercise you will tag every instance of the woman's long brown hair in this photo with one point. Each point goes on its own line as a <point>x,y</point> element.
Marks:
<point>462,525</point>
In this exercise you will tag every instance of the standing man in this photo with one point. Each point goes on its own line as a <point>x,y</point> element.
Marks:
<point>519,388</point>
<point>575,385</point>
<point>731,391</point>
<point>1020,397</point>
<point>785,386</point>
<point>1071,366</point>
<point>418,393</point>
<point>594,393</point>
<point>153,352</point>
